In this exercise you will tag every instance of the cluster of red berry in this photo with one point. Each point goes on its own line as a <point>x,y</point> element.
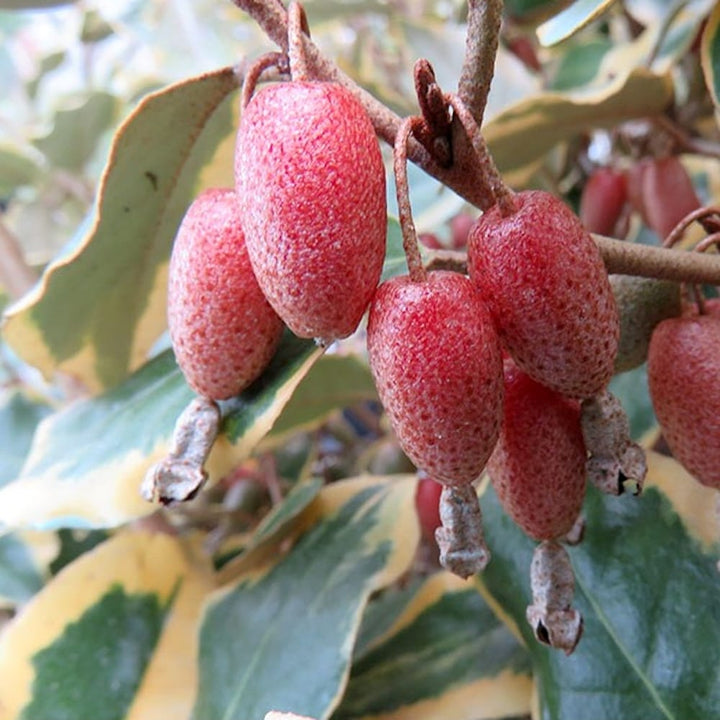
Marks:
<point>507,367</point>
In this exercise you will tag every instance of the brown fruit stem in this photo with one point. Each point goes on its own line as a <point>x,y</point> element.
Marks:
<point>297,27</point>
<point>553,619</point>
<point>620,257</point>
<point>271,60</point>
<point>461,541</point>
<point>490,175</point>
<point>181,474</point>
<point>708,217</point>
<point>407,226</point>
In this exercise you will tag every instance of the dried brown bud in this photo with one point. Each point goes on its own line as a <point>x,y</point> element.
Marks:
<point>461,541</point>
<point>553,619</point>
<point>614,459</point>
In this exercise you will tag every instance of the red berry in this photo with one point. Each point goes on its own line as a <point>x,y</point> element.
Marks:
<point>427,505</point>
<point>603,199</point>
<point>683,372</point>
<point>538,467</point>
<point>223,331</point>
<point>430,241</point>
<point>460,226</point>
<point>544,281</point>
<point>435,357</point>
<point>311,177</point>
<point>668,194</point>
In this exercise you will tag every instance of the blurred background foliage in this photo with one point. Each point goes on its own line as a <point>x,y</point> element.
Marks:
<point>90,390</point>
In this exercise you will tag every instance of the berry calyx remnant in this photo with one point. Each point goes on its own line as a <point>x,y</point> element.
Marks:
<point>548,291</point>
<point>222,328</point>
<point>310,174</point>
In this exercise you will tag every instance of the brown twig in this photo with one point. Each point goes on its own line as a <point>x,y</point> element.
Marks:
<point>483,33</point>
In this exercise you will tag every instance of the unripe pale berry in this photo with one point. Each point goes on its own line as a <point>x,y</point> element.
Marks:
<point>642,304</point>
<point>538,466</point>
<point>602,201</point>
<point>223,330</point>
<point>545,283</point>
<point>310,174</point>
<point>435,357</point>
<point>683,372</point>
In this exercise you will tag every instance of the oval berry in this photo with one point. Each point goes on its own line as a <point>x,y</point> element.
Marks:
<point>310,173</point>
<point>538,466</point>
<point>222,329</point>
<point>668,194</point>
<point>642,304</point>
<point>544,281</point>
<point>427,506</point>
<point>602,201</point>
<point>683,372</point>
<point>435,357</point>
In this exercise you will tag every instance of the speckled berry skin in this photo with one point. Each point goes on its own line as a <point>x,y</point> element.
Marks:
<point>223,331</point>
<point>311,177</point>
<point>538,466</point>
<point>544,281</point>
<point>435,357</point>
<point>683,376</point>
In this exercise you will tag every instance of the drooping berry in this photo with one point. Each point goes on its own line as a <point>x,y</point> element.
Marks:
<point>683,372</point>
<point>538,466</point>
<point>427,505</point>
<point>310,174</point>
<point>666,193</point>
<point>642,304</point>
<point>602,201</point>
<point>222,329</point>
<point>435,357</point>
<point>544,281</point>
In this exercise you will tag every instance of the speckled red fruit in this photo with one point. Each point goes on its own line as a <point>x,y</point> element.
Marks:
<point>602,201</point>
<point>668,194</point>
<point>544,281</point>
<point>310,174</point>
<point>223,330</point>
<point>427,506</point>
<point>435,357</point>
<point>538,467</point>
<point>684,381</point>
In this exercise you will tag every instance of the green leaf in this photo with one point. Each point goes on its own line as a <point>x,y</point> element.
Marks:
<point>522,135</point>
<point>19,575</point>
<point>73,544</point>
<point>334,382</point>
<point>19,417</point>
<point>294,624</point>
<point>447,656</point>
<point>395,262</point>
<point>571,20</point>
<point>100,308</point>
<point>82,647</point>
<point>647,589</point>
<point>710,55</point>
<point>76,131</point>
<point>534,10</point>
<point>87,461</point>
<point>579,65</point>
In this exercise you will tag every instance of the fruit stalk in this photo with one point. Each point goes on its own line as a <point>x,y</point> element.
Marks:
<point>268,61</point>
<point>407,226</point>
<point>297,27</point>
